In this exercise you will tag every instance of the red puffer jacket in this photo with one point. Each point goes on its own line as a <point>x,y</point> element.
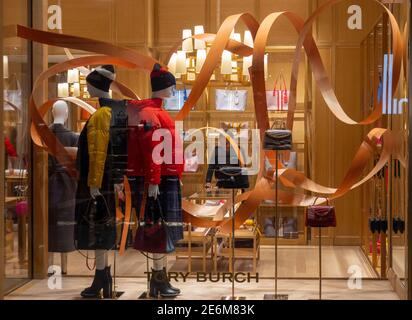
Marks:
<point>146,157</point>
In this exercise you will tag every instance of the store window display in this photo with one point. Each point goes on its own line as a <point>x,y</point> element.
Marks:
<point>322,161</point>
<point>146,170</point>
<point>62,191</point>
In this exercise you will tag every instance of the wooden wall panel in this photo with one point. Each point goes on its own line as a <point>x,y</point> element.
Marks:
<point>322,118</point>
<point>283,33</point>
<point>17,9</point>
<point>174,16</point>
<point>323,30</point>
<point>231,7</point>
<point>80,15</point>
<point>138,81</point>
<point>130,25</point>
<point>370,14</point>
<point>347,140</point>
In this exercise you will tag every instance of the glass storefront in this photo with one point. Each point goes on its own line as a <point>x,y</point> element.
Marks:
<point>341,92</point>
<point>17,149</point>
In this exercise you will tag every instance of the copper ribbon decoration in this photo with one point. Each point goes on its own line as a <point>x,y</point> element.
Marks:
<point>263,190</point>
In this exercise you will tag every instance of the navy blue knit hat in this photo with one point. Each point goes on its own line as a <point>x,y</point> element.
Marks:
<point>102,77</point>
<point>161,78</point>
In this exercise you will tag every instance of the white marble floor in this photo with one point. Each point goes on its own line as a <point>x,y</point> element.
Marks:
<point>192,290</point>
<point>294,262</point>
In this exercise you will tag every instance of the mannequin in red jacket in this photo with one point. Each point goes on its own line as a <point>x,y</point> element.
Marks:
<point>155,159</point>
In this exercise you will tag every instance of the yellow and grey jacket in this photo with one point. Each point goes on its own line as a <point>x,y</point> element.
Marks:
<point>107,142</point>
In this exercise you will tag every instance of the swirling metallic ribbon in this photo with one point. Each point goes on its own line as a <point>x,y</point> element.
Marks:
<point>263,190</point>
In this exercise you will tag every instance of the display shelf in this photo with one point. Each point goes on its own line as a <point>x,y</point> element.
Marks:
<point>267,210</point>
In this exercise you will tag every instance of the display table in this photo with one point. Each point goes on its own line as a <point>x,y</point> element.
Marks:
<point>204,195</point>
<point>266,210</point>
<point>196,244</point>
<point>241,236</point>
<point>204,241</point>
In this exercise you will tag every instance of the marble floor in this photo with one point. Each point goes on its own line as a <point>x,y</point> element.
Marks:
<point>294,262</point>
<point>192,290</point>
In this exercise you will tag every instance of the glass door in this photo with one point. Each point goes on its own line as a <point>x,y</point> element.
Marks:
<point>16,88</point>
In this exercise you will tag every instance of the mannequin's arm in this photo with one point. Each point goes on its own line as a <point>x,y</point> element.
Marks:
<point>95,192</point>
<point>153,191</point>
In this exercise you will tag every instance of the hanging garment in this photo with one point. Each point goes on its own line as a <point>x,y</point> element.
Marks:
<point>145,168</point>
<point>62,196</point>
<point>101,162</point>
<point>142,161</point>
<point>170,198</point>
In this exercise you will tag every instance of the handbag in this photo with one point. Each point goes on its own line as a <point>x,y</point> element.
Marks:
<point>276,139</point>
<point>231,100</point>
<point>21,208</point>
<point>100,223</point>
<point>176,102</point>
<point>232,178</point>
<point>320,216</point>
<point>278,99</point>
<point>153,236</point>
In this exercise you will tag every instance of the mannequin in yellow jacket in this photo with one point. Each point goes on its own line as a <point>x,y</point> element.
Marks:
<point>102,160</point>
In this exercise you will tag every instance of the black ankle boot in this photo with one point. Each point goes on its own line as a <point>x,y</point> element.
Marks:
<point>101,281</point>
<point>159,285</point>
<point>177,290</point>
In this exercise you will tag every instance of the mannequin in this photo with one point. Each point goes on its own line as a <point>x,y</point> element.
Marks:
<point>101,161</point>
<point>62,191</point>
<point>163,179</point>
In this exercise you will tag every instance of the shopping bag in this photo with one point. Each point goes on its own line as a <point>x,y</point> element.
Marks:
<point>278,99</point>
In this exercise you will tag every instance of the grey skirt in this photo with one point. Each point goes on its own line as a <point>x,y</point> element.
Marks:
<point>170,201</point>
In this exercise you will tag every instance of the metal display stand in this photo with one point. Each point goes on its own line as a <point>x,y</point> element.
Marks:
<point>276,296</point>
<point>115,294</point>
<point>320,263</point>
<point>232,239</point>
<point>145,295</point>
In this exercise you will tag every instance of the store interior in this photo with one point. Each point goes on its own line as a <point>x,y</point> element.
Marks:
<point>370,240</point>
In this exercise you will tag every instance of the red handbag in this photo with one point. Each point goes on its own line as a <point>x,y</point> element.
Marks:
<point>153,236</point>
<point>320,216</point>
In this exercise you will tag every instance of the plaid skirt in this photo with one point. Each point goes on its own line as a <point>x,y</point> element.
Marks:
<point>170,202</point>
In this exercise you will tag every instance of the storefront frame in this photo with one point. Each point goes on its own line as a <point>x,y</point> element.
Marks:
<point>39,257</point>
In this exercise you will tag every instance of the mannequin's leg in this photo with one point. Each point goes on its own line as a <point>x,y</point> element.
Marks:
<point>63,256</point>
<point>50,271</point>
<point>159,282</point>
<point>102,278</point>
<point>102,259</point>
<point>159,261</point>
<point>51,259</point>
